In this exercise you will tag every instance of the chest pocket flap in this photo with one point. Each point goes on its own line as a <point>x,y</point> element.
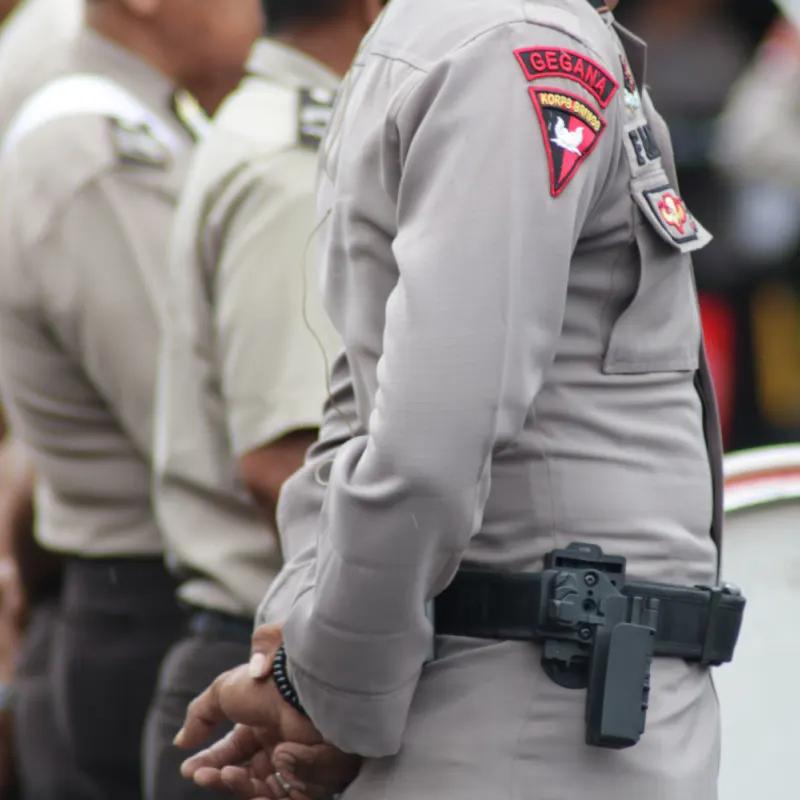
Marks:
<point>659,331</point>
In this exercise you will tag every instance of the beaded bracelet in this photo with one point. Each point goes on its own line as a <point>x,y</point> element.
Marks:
<point>280,675</point>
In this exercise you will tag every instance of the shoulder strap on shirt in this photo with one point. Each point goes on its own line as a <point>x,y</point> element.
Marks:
<point>74,95</point>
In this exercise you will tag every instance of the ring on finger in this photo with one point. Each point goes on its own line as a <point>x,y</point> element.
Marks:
<point>285,785</point>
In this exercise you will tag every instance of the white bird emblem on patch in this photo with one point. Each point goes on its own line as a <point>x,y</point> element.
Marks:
<point>567,139</point>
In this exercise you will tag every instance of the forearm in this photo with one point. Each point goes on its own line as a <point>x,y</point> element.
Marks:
<point>303,495</point>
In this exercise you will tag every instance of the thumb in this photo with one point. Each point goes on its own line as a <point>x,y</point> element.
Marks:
<point>266,640</point>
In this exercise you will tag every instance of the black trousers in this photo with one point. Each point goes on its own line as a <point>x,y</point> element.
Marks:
<point>190,666</point>
<point>43,761</point>
<point>118,618</point>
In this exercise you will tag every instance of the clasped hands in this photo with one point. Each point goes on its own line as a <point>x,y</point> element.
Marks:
<point>270,737</point>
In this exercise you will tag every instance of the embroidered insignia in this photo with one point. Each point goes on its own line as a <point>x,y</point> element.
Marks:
<point>571,128</point>
<point>136,144</point>
<point>315,109</point>
<point>673,211</point>
<point>556,62</point>
<point>644,144</point>
<point>672,214</point>
<point>633,100</point>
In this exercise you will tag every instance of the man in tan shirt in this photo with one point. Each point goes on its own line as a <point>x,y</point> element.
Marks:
<point>33,42</point>
<point>32,45</point>
<point>246,350</point>
<point>90,171</point>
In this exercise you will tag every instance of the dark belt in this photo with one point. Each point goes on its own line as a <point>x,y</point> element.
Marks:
<point>218,625</point>
<point>597,630</point>
<point>697,624</point>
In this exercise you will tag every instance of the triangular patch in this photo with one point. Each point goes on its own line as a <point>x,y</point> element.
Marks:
<point>571,129</point>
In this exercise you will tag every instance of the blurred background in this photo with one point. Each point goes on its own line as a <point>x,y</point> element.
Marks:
<point>726,75</point>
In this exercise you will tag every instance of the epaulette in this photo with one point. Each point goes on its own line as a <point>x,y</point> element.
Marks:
<point>314,113</point>
<point>136,144</point>
<point>137,134</point>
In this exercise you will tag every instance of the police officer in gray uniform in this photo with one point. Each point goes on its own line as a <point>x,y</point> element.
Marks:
<point>90,171</point>
<point>500,573</point>
<point>245,350</point>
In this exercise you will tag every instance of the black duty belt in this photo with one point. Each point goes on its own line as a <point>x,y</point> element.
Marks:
<point>597,630</point>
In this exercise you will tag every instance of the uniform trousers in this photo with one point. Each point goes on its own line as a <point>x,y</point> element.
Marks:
<point>118,618</point>
<point>219,643</point>
<point>43,762</point>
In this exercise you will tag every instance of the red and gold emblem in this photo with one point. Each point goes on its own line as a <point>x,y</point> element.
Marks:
<point>673,211</point>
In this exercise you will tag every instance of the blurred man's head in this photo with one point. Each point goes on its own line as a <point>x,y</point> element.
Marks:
<point>201,45</point>
<point>328,30</point>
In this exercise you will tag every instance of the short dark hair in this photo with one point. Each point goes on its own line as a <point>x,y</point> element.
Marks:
<point>283,14</point>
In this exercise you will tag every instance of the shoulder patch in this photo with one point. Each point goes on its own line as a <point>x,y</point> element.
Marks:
<point>571,129</point>
<point>557,62</point>
<point>314,112</point>
<point>137,144</point>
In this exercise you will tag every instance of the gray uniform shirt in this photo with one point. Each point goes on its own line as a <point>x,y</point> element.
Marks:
<point>246,341</point>
<point>90,177</point>
<point>507,257</point>
<point>32,45</point>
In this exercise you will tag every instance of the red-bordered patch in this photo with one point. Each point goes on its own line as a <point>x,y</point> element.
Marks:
<point>571,129</point>
<point>672,214</point>
<point>557,62</point>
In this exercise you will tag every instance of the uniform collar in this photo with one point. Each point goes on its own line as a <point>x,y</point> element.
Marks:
<point>94,53</point>
<point>283,64</point>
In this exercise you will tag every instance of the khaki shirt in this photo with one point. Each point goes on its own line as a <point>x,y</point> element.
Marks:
<point>247,339</point>
<point>90,176</point>
<point>507,257</point>
<point>33,42</point>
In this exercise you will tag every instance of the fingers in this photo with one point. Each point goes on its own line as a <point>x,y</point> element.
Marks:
<point>315,771</point>
<point>202,716</point>
<point>236,781</point>
<point>266,640</point>
<point>239,746</point>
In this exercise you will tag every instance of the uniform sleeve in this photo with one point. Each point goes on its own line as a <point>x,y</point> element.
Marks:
<point>483,253</point>
<point>302,497</point>
<point>102,296</point>
<point>274,339</point>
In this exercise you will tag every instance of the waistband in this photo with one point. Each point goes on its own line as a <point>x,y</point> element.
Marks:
<point>140,582</point>
<point>212,624</point>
